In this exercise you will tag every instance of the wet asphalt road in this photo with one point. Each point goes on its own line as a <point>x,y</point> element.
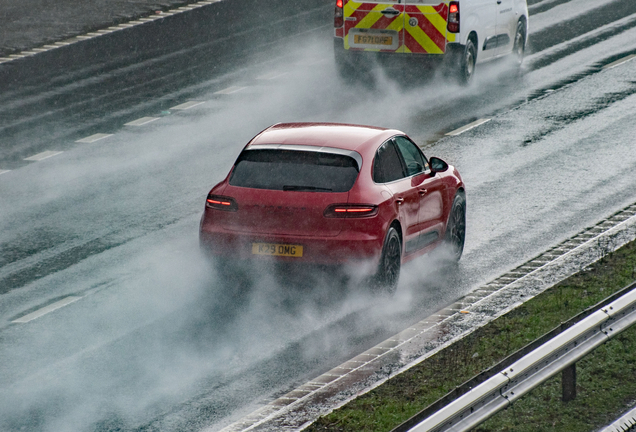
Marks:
<point>153,342</point>
<point>32,23</point>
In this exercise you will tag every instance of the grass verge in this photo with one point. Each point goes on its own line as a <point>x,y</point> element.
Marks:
<point>606,378</point>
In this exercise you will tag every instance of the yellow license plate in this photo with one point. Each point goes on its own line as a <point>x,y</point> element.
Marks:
<point>277,249</point>
<point>363,39</point>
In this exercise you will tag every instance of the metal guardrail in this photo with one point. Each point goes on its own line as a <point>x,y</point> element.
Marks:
<point>626,423</point>
<point>560,352</point>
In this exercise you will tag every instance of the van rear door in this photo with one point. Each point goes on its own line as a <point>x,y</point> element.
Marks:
<point>425,29</point>
<point>374,26</point>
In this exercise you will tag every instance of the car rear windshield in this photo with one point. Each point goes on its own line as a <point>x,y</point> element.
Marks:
<point>291,170</point>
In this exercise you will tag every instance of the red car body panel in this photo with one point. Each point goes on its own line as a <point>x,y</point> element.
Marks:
<point>291,217</point>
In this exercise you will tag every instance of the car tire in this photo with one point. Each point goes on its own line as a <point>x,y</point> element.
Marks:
<point>467,63</point>
<point>390,262</point>
<point>519,46</point>
<point>456,228</point>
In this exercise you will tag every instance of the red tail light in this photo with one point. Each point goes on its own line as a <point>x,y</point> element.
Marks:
<point>350,210</point>
<point>219,202</point>
<point>338,16</point>
<point>453,17</point>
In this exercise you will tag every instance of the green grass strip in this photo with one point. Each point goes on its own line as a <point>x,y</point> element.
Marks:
<point>606,378</point>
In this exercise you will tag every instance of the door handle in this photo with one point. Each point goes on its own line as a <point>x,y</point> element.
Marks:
<point>423,191</point>
<point>399,200</point>
<point>390,11</point>
<point>498,1</point>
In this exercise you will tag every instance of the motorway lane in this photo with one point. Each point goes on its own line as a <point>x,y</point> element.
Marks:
<point>150,343</point>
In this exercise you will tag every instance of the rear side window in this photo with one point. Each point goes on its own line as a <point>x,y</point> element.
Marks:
<point>292,170</point>
<point>387,165</point>
<point>413,157</point>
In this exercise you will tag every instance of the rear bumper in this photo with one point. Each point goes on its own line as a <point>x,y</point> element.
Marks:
<point>359,58</point>
<point>353,61</point>
<point>347,247</point>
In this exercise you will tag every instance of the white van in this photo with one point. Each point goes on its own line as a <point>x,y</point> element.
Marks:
<point>458,33</point>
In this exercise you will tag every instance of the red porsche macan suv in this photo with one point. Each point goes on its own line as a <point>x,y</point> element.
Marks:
<point>324,193</point>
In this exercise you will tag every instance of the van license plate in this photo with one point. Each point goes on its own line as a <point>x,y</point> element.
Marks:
<point>370,39</point>
<point>276,249</point>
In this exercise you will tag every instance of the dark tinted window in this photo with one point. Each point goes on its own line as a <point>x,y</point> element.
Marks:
<point>387,166</point>
<point>413,157</point>
<point>294,170</point>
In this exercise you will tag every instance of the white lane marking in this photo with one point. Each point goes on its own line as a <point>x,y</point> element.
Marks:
<point>90,35</point>
<point>272,76</point>
<point>142,121</point>
<point>44,155</point>
<point>4,171</point>
<point>47,309</point>
<point>229,90</point>
<point>620,61</point>
<point>187,105</point>
<point>93,138</point>
<point>468,127</point>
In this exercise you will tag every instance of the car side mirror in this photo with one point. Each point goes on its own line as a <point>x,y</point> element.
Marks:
<point>437,165</point>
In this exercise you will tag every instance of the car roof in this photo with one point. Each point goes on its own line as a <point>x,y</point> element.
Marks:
<point>338,135</point>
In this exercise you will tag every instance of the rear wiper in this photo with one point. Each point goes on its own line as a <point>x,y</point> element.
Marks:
<point>305,188</point>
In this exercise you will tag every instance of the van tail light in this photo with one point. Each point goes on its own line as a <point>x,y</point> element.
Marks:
<point>219,202</point>
<point>338,16</point>
<point>453,17</point>
<point>350,211</point>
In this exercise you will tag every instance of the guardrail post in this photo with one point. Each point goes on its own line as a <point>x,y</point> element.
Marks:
<point>568,383</point>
